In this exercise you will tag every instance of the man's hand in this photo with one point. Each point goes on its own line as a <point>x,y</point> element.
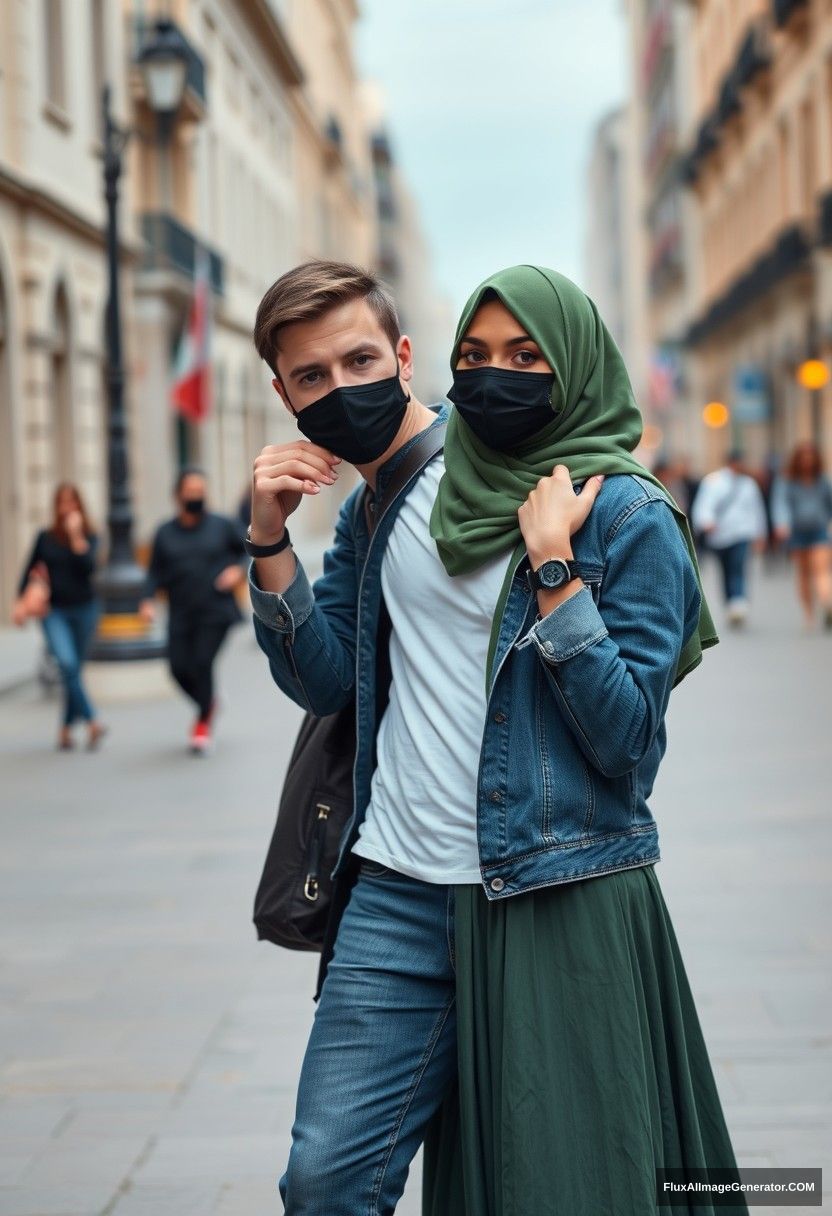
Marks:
<point>553,512</point>
<point>147,611</point>
<point>283,473</point>
<point>229,578</point>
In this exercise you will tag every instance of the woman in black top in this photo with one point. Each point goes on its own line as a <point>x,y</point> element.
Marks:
<point>63,559</point>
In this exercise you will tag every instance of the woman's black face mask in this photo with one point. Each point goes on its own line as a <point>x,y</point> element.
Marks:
<point>503,408</point>
<point>357,422</point>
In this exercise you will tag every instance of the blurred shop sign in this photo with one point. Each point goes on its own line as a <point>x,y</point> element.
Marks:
<point>751,398</point>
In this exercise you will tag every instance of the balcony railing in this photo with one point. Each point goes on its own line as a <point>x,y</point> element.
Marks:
<point>754,56</point>
<point>784,10</point>
<point>169,245</point>
<point>788,255</point>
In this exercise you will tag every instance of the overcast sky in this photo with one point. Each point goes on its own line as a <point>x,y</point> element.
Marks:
<point>491,106</point>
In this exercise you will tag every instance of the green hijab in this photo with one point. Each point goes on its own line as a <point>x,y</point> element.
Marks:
<point>596,425</point>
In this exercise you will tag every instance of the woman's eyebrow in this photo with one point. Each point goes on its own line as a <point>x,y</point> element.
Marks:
<point>524,338</point>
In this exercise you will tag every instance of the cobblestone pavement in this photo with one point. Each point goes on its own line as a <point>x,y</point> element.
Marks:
<point>149,1046</point>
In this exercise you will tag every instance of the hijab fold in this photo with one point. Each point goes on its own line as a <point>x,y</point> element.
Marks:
<point>595,426</point>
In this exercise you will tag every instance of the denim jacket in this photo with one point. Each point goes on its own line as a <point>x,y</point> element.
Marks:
<point>574,729</point>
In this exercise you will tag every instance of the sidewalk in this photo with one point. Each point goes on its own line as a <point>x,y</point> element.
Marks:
<point>151,1046</point>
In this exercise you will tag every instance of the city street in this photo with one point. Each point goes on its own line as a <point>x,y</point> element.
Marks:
<point>151,1046</point>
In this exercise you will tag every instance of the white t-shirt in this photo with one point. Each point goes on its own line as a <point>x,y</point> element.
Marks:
<point>732,501</point>
<point>422,816</point>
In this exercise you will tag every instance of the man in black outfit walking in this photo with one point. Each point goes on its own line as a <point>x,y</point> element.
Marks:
<point>197,558</point>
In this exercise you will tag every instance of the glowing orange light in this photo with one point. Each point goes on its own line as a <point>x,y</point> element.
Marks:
<point>813,374</point>
<point>715,414</point>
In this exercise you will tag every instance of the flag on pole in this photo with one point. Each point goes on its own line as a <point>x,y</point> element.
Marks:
<point>191,389</point>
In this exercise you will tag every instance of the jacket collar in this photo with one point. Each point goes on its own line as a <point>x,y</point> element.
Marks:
<point>385,471</point>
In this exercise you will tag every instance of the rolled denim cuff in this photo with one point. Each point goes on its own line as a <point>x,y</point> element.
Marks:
<point>568,629</point>
<point>284,611</point>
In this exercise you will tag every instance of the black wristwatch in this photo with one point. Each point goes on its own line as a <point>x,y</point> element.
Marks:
<point>554,572</point>
<point>265,550</point>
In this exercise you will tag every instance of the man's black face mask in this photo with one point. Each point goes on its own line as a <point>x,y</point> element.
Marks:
<point>503,408</point>
<point>358,421</point>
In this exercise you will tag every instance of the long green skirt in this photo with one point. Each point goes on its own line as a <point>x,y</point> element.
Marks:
<point>582,1065</point>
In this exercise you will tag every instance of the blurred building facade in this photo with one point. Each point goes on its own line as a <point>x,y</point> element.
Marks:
<point>404,262</point>
<point>614,238</point>
<point>731,110</point>
<point>760,170</point>
<point>269,161</point>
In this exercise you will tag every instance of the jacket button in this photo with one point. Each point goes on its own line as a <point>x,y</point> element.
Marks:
<point>281,619</point>
<point>497,884</point>
<point>499,716</point>
<point>548,647</point>
<point>496,796</point>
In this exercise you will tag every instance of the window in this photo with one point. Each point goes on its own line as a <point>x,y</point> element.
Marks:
<point>55,66</point>
<point>98,44</point>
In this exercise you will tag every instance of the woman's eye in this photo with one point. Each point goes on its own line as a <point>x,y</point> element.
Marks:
<point>472,356</point>
<point>526,358</point>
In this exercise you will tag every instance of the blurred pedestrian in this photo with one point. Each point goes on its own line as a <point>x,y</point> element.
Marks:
<point>196,559</point>
<point>56,587</point>
<point>801,508</point>
<point>729,511</point>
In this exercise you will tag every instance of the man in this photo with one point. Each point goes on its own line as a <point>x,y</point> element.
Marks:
<point>730,512</point>
<point>196,560</point>
<point>330,335</point>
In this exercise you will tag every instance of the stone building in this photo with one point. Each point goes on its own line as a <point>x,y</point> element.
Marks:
<point>267,161</point>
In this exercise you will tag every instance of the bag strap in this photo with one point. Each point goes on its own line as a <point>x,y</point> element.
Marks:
<point>425,446</point>
<point>726,498</point>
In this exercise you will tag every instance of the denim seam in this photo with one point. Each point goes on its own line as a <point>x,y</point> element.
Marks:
<point>646,860</point>
<point>624,515</point>
<point>580,842</point>
<point>448,934</point>
<point>333,668</point>
<point>423,1063</point>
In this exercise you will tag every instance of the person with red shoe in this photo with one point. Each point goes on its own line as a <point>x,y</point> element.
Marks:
<point>197,560</point>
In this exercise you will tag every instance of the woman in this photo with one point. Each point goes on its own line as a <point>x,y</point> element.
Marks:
<point>62,560</point>
<point>582,1065</point>
<point>801,509</point>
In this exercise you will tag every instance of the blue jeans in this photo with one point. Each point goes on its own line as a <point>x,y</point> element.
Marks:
<point>382,1050</point>
<point>732,559</point>
<point>68,634</point>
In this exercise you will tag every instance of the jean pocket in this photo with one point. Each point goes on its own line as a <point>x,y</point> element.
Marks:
<point>374,868</point>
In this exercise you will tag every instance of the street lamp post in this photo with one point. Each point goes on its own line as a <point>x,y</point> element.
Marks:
<point>122,634</point>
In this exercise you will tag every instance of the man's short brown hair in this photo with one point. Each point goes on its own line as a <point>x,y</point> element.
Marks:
<point>312,289</point>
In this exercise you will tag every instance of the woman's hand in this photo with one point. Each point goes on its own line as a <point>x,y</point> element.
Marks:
<point>19,613</point>
<point>553,512</point>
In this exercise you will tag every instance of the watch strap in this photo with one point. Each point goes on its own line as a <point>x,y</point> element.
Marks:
<point>254,550</point>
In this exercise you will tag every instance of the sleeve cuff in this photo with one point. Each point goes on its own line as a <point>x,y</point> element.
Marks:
<point>567,629</point>
<point>284,612</point>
